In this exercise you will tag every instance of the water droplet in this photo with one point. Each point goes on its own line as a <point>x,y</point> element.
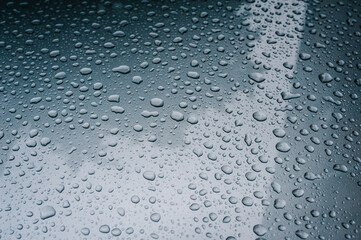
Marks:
<point>279,132</point>
<point>149,175</point>
<point>157,102</point>
<point>283,147</point>
<point>259,230</point>
<point>177,116</point>
<point>47,212</point>
<point>260,116</point>
<point>247,201</point>
<point>86,71</point>
<point>104,228</point>
<point>155,217</point>
<point>85,231</point>
<point>116,232</point>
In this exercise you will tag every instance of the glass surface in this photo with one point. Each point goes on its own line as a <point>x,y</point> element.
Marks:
<point>180,119</point>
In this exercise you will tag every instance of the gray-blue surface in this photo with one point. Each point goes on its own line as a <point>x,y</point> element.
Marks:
<point>180,120</point>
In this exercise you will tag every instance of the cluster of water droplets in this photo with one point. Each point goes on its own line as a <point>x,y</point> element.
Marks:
<point>180,120</point>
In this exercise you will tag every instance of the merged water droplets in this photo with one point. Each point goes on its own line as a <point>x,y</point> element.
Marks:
<point>325,77</point>
<point>124,69</point>
<point>257,77</point>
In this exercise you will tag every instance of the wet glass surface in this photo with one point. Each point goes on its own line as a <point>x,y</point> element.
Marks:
<point>180,120</point>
